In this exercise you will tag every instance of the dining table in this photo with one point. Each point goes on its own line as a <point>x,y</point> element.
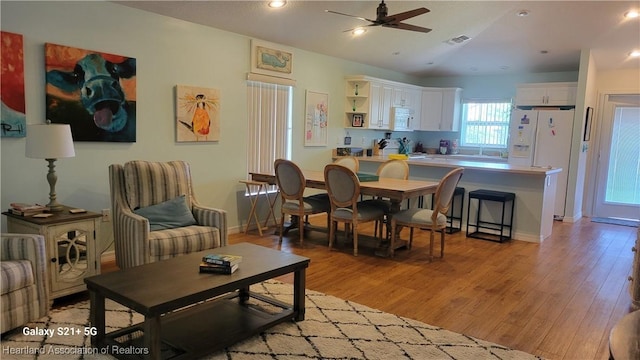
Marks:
<point>396,190</point>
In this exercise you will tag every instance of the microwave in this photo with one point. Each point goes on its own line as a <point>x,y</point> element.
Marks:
<point>402,118</point>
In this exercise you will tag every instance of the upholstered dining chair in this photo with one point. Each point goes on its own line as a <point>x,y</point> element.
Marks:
<point>25,279</point>
<point>433,220</point>
<point>343,187</point>
<point>292,184</point>
<point>350,162</point>
<point>392,169</point>
<point>156,215</point>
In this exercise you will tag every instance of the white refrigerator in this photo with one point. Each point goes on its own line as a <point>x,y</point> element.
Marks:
<point>542,138</point>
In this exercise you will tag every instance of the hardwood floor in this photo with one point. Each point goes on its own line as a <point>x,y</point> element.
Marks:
<point>558,299</point>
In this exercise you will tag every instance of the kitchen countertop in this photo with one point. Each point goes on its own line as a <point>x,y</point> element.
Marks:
<point>494,164</point>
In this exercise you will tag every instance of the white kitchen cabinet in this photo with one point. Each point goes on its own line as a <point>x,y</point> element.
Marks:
<point>381,98</point>
<point>451,104</point>
<point>431,110</point>
<point>546,94</point>
<point>440,110</point>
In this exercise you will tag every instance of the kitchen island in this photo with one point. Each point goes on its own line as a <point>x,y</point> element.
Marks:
<point>535,187</point>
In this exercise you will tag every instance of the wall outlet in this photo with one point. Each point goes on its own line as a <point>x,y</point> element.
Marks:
<point>106,215</point>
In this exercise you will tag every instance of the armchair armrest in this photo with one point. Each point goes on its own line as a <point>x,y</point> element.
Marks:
<point>208,216</point>
<point>29,247</point>
<point>130,226</point>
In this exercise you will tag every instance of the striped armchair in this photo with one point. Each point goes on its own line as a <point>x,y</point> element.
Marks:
<point>25,286</point>
<point>141,184</point>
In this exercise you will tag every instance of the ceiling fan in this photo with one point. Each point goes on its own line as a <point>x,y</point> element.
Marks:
<point>392,21</point>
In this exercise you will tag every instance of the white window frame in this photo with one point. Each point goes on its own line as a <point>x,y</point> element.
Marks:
<point>483,116</point>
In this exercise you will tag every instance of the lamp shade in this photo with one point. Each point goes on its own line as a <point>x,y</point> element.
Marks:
<point>49,141</point>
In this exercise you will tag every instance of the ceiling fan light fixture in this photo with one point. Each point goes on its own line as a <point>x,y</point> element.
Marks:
<point>277,4</point>
<point>635,53</point>
<point>358,31</point>
<point>632,14</point>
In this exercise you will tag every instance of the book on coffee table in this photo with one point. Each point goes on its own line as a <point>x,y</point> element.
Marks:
<point>217,269</point>
<point>222,259</point>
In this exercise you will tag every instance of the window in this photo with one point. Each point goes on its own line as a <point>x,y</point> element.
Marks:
<point>269,136</point>
<point>485,123</point>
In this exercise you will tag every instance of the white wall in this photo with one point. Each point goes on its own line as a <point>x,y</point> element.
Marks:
<point>168,52</point>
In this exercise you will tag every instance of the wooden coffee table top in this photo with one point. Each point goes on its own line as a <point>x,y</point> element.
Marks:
<point>167,285</point>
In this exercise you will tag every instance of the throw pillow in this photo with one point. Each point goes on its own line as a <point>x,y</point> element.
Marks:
<point>168,215</point>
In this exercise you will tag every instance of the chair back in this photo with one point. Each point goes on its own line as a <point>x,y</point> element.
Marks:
<point>148,183</point>
<point>350,162</point>
<point>444,192</point>
<point>395,169</point>
<point>289,179</point>
<point>342,185</point>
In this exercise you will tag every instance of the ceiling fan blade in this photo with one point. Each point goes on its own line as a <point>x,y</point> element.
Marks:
<point>353,16</point>
<point>350,30</point>
<point>404,26</point>
<point>405,15</point>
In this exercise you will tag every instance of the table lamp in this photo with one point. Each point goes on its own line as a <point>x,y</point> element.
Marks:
<point>50,142</point>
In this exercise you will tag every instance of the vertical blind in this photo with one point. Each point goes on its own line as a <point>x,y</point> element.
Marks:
<point>269,113</point>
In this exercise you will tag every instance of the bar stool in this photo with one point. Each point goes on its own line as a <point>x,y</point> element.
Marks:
<point>491,195</point>
<point>451,215</point>
<point>253,215</point>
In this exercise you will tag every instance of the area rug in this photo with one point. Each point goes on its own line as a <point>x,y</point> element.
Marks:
<point>614,221</point>
<point>333,329</point>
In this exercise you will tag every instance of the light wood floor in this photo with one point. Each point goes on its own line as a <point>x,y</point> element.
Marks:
<point>558,299</point>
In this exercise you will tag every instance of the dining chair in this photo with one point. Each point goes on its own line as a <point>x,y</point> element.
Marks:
<point>350,162</point>
<point>292,184</point>
<point>343,187</point>
<point>394,168</point>
<point>433,220</point>
<point>391,169</point>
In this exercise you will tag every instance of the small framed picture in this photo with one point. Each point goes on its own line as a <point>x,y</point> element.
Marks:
<point>357,120</point>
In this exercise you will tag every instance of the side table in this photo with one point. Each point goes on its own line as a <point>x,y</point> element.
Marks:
<point>71,246</point>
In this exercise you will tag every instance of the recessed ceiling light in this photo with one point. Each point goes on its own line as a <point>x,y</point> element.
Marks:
<point>473,68</point>
<point>544,51</point>
<point>523,13</point>
<point>277,4</point>
<point>635,53</point>
<point>359,31</point>
<point>395,53</point>
<point>631,14</point>
<point>504,67</point>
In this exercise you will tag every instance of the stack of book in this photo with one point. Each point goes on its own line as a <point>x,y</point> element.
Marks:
<point>22,209</point>
<point>220,263</point>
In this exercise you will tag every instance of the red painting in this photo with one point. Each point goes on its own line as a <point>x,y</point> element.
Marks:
<point>12,86</point>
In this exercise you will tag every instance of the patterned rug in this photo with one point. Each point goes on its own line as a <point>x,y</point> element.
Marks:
<point>333,329</point>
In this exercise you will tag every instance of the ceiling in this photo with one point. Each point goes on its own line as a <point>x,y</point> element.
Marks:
<point>500,41</point>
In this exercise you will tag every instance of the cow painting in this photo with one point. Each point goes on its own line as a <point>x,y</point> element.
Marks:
<point>93,92</point>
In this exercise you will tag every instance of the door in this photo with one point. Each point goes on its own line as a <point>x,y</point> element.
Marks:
<point>618,171</point>
<point>553,148</point>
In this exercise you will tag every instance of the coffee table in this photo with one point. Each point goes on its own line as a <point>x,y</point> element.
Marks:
<point>189,314</point>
